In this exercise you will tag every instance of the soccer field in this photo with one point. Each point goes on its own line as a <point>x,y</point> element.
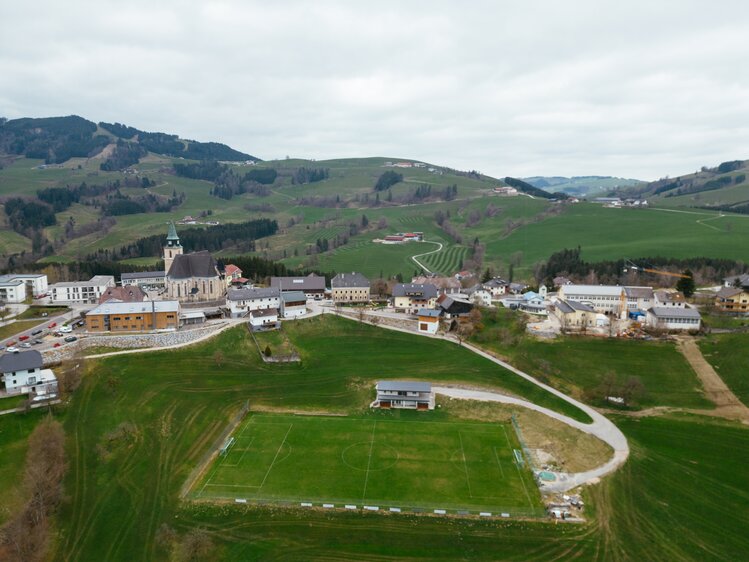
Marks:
<point>374,462</point>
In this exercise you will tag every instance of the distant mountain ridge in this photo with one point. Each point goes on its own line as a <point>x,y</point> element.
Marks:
<point>581,186</point>
<point>58,139</point>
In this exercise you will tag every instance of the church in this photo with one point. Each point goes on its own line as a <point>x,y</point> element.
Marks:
<point>190,277</point>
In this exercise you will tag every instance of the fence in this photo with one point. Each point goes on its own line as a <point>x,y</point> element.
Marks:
<point>523,446</point>
<point>213,450</point>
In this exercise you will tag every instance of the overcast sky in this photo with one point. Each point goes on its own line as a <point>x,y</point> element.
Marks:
<point>636,89</point>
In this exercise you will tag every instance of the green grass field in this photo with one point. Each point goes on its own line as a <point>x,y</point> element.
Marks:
<point>729,354</point>
<point>379,461</point>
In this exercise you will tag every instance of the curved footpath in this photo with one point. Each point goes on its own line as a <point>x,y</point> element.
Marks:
<point>421,265</point>
<point>601,427</point>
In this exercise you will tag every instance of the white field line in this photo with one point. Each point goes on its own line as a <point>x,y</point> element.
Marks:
<point>465,464</point>
<point>421,265</point>
<point>277,453</point>
<point>369,461</point>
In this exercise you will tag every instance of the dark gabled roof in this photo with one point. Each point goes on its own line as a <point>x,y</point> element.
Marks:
<point>310,283</point>
<point>11,362</point>
<point>294,296</point>
<point>249,294</point>
<point>728,292</point>
<point>197,264</point>
<point>424,291</point>
<point>125,293</point>
<point>405,386</point>
<point>571,306</point>
<point>674,312</point>
<point>496,282</point>
<point>264,313</point>
<point>429,312</point>
<point>346,280</point>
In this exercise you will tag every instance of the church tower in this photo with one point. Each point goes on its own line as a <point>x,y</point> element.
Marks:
<point>171,248</point>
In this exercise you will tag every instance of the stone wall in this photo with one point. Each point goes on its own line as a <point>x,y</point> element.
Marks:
<point>133,341</point>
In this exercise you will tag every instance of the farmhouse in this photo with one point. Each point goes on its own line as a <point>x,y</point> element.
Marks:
<point>144,278</point>
<point>429,320</point>
<point>126,293</point>
<point>497,287</point>
<point>293,304</point>
<point>733,300</point>
<point>673,318</point>
<point>404,394</point>
<point>81,292</point>
<point>479,295</point>
<point>313,286</point>
<point>242,301</point>
<point>506,191</point>
<point>23,373</point>
<point>233,276</point>
<point>409,297</point>
<point>737,281</point>
<point>117,316</point>
<point>444,284</point>
<point>350,287</point>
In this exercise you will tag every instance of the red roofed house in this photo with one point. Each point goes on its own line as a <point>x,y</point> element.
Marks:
<point>233,275</point>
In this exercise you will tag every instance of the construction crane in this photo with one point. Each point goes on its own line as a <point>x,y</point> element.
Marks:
<point>635,267</point>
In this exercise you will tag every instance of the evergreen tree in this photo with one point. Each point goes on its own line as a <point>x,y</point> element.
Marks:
<point>686,284</point>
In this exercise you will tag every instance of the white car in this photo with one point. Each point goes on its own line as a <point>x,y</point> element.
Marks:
<point>12,349</point>
<point>66,329</point>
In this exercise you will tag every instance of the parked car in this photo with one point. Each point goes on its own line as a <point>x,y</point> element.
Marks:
<point>36,342</point>
<point>57,344</point>
<point>66,329</point>
<point>11,343</point>
<point>52,325</point>
<point>12,349</point>
<point>23,338</point>
<point>71,339</point>
<point>25,345</point>
<point>36,332</point>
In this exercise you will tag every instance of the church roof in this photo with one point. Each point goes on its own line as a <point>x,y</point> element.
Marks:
<point>197,264</point>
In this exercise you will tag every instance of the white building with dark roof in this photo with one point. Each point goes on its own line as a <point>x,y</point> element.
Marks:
<point>674,318</point>
<point>410,297</point>
<point>141,278</point>
<point>24,373</point>
<point>293,304</point>
<point>313,286</point>
<point>412,395</point>
<point>350,287</point>
<point>242,301</point>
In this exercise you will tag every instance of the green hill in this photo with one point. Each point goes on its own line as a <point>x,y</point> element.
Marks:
<point>581,186</point>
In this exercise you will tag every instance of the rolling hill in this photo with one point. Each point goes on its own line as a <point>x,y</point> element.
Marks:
<point>581,186</point>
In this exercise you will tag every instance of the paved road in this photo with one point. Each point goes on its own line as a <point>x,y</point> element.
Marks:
<point>43,324</point>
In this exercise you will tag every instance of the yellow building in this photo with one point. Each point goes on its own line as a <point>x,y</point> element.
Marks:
<point>350,287</point>
<point>732,300</point>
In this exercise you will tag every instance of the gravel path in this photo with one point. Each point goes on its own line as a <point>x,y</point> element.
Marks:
<point>421,265</point>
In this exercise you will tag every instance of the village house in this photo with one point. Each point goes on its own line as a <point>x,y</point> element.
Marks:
<point>147,316</point>
<point>24,373</point>
<point>126,293</point>
<point>404,394</point>
<point>313,286</point>
<point>732,300</point>
<point>293,304</point>
<point>81,292</point>
<point>444,284</point>
<point>233,276</point>
<point>670,299</point>
<point>144,279</point>
<point>479,295</point>
<point>737,281</point>
<point>674,318</point>
<point>428,320</point>
<point>497,287</point>
<point>264,318</point>
<point>410,297</point>
<point>350,287</point>
<point>244,300</point>
<point>454,307</point>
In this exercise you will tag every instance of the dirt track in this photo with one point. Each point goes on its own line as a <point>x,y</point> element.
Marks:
<point>727,404</point>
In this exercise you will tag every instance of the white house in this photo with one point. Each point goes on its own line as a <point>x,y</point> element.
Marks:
<point>670,299</point>
<point>23,373</point>
<point>479,295</point>
<point>242,301</point>
<point>81,292</point>
<point>673,318</point>
<point>497,287</point>
<point>410,297</point>
<point>293,304</point>
<point>36,283</point>
<point>429,320</point>
<point>404,394</point>
<point>267,317</point>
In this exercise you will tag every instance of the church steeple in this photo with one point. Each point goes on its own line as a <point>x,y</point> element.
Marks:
<point>172,247</point>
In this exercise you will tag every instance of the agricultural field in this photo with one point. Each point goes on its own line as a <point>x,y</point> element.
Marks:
<point>409,464</point>
<point>729,355</point>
